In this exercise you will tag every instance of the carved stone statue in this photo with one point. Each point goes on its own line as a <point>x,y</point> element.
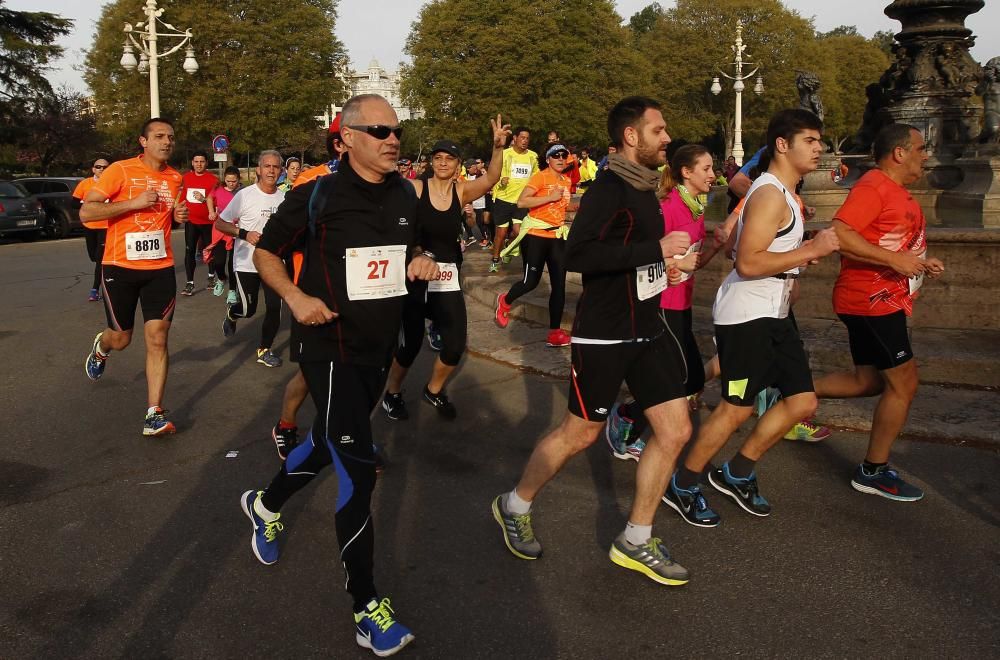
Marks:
<point>808,85</point>
<point>947,65</point>
<point>989,88</point>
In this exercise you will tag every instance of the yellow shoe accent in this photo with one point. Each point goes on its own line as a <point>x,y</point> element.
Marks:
<point>627,562</point>
<point>499,518</point>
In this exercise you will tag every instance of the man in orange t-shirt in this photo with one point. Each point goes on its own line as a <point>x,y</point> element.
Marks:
<point>883,247</point>
<point>546,196</point>
<point>139,198</point>
<point>94,231</point>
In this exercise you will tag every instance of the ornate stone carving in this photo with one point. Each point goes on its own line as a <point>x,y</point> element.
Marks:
<point>989,89</point>
<point>808,85</point>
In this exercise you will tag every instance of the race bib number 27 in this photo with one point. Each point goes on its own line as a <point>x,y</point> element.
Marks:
<point>376,272</point>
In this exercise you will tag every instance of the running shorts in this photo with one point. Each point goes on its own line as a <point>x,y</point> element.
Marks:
<point>762,353</point>
<point>878,341</point>
<point>125,288</point>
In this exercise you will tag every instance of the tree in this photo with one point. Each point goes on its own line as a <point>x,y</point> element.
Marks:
<point>884,40</point>
<point>691,42</point>
<point>840,31</point>
<point>563,73</point>
<point>58,131</point>
<point>645,20</point>
<point>843,87</point>
<point>27,45</point>
<point>265,73</point>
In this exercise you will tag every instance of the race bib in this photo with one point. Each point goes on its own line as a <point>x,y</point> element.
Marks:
<point>650,280</point>
<point>191,199</point>
<point>376,272</point>
<point>694,247</point>
<point>917,281</point>
<point>447,279</point>
<point>145,245</point>
<point>520,170</point>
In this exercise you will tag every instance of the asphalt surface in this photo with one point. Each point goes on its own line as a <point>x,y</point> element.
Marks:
<point>117,546</point>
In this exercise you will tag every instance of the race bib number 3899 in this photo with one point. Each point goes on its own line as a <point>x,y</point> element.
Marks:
<point>144,245</point>
<point>376,272</point>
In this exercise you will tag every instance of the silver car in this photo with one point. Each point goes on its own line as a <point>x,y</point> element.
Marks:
<point>21,213</point>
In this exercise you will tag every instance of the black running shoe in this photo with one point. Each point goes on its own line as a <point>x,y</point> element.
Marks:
<point>285,440</point>
<point>394,407</point>
<point>691,505</point>
<point>440,401</point>
<point>744,491</point>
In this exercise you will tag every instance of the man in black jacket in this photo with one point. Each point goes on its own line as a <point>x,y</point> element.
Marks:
<point>617,243</point>
<point>359,226</point>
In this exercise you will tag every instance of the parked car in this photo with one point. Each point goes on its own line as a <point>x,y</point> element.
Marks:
<point>62,210</point>
<point>21,213</point>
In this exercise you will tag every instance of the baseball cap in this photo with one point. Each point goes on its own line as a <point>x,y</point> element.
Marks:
<point>335,125</point>
<point>555,148</point>
<point>448,147</point>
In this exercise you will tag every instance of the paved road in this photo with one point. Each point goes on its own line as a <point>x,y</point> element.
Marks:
<point>117,546</point>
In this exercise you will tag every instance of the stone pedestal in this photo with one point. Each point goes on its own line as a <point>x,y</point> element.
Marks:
<point>975,201</point>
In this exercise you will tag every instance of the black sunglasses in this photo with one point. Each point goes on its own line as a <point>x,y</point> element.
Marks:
<point>378,131</point>
<point>562,155</point>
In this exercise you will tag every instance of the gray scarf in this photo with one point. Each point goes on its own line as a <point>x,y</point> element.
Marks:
<point>638,176</point>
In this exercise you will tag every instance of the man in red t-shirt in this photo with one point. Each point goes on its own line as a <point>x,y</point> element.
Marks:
<point>199,184</point>
<point>883,246</point>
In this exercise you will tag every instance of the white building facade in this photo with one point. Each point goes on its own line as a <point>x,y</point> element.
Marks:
<point>374,80</point>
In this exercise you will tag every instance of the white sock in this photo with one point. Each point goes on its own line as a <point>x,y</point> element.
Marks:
<point>259,509</point>
<point>151,410</point>
<point>638,534</point>
<point>516,505</point>
<point>101,352</point>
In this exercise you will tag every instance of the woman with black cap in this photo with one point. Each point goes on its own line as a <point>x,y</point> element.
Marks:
<point>440,225</point>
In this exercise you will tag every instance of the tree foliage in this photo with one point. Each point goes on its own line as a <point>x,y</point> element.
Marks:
<point>266,71</point>
<point>644,20</point>
<point>847,64</point>
<point>57,132</point>
<point>543,65</point>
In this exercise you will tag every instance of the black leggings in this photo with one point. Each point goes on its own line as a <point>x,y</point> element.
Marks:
<point>95,250</point>
<point>485,228</point>
<point>222,262</point>
<point>248,286</point>
<point>345,396</point>
<point>550,253</point>
<point>194,234</point>
<point>447,309</point>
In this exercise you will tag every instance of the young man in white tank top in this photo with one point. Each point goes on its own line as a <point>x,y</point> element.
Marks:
<point>759,344</point>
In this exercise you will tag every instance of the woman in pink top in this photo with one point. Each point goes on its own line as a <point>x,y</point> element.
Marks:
<point>220,252</point>
<point>684,183</point>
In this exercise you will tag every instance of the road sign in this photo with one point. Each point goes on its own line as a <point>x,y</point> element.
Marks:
<point>220,143</point>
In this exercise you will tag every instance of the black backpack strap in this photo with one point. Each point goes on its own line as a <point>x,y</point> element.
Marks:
<point>317,200</point>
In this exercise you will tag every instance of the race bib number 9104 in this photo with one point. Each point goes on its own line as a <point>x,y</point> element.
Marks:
<point>145,245</point>
<point>650,280</point>
<point>376,272</point>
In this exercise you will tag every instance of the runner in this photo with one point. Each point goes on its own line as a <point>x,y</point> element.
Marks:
<point>293,167</point>
<point>682,187</point>
<point>360,230</point>
<point>541,242</point>
<point>245,217</point>
<point>334,147</point>
<point>617,243</point>
<point>757,338</point>
<point>94,231</point>
<point>438,235</point>
<point>199,184</point>
<point>588,170</point>
<point>883,239</point>
<point>220,252</point>
<point>139,198</point>
<point>519,164</point>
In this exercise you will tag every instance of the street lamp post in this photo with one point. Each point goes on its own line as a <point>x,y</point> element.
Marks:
<point>738,49</point>
<point>150,55</point>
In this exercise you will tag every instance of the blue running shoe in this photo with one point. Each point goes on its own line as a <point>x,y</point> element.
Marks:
<point>94,366</point>
<point>378,630</point>
<point>744,491</point>
<point>690,504</point>
<point>264,540</point>
<point>885,482</point>
<point>620,432</point>
<point>157,424</point>
<point>218,288</point>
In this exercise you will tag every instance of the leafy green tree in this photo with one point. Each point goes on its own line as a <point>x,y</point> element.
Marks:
<point>57,133</point>
<point>845,66</point>
<point>645,20</point>
<point>27,46</point>
<point>884,40</point>
<point>266,71</point>
<point>543,65</point>
<point>840,31</point>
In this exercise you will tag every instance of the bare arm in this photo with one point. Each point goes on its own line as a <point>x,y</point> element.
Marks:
<point>763,215</point>
<point>471,190</point>
<point>854,246</point>
<point>528,199</point>
<point>227,228</point>
<point>740,185</point>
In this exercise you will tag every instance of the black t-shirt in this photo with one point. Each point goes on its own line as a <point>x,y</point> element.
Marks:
<point>439,232</point>
<point>354,214</point>
<point>616,231</point>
